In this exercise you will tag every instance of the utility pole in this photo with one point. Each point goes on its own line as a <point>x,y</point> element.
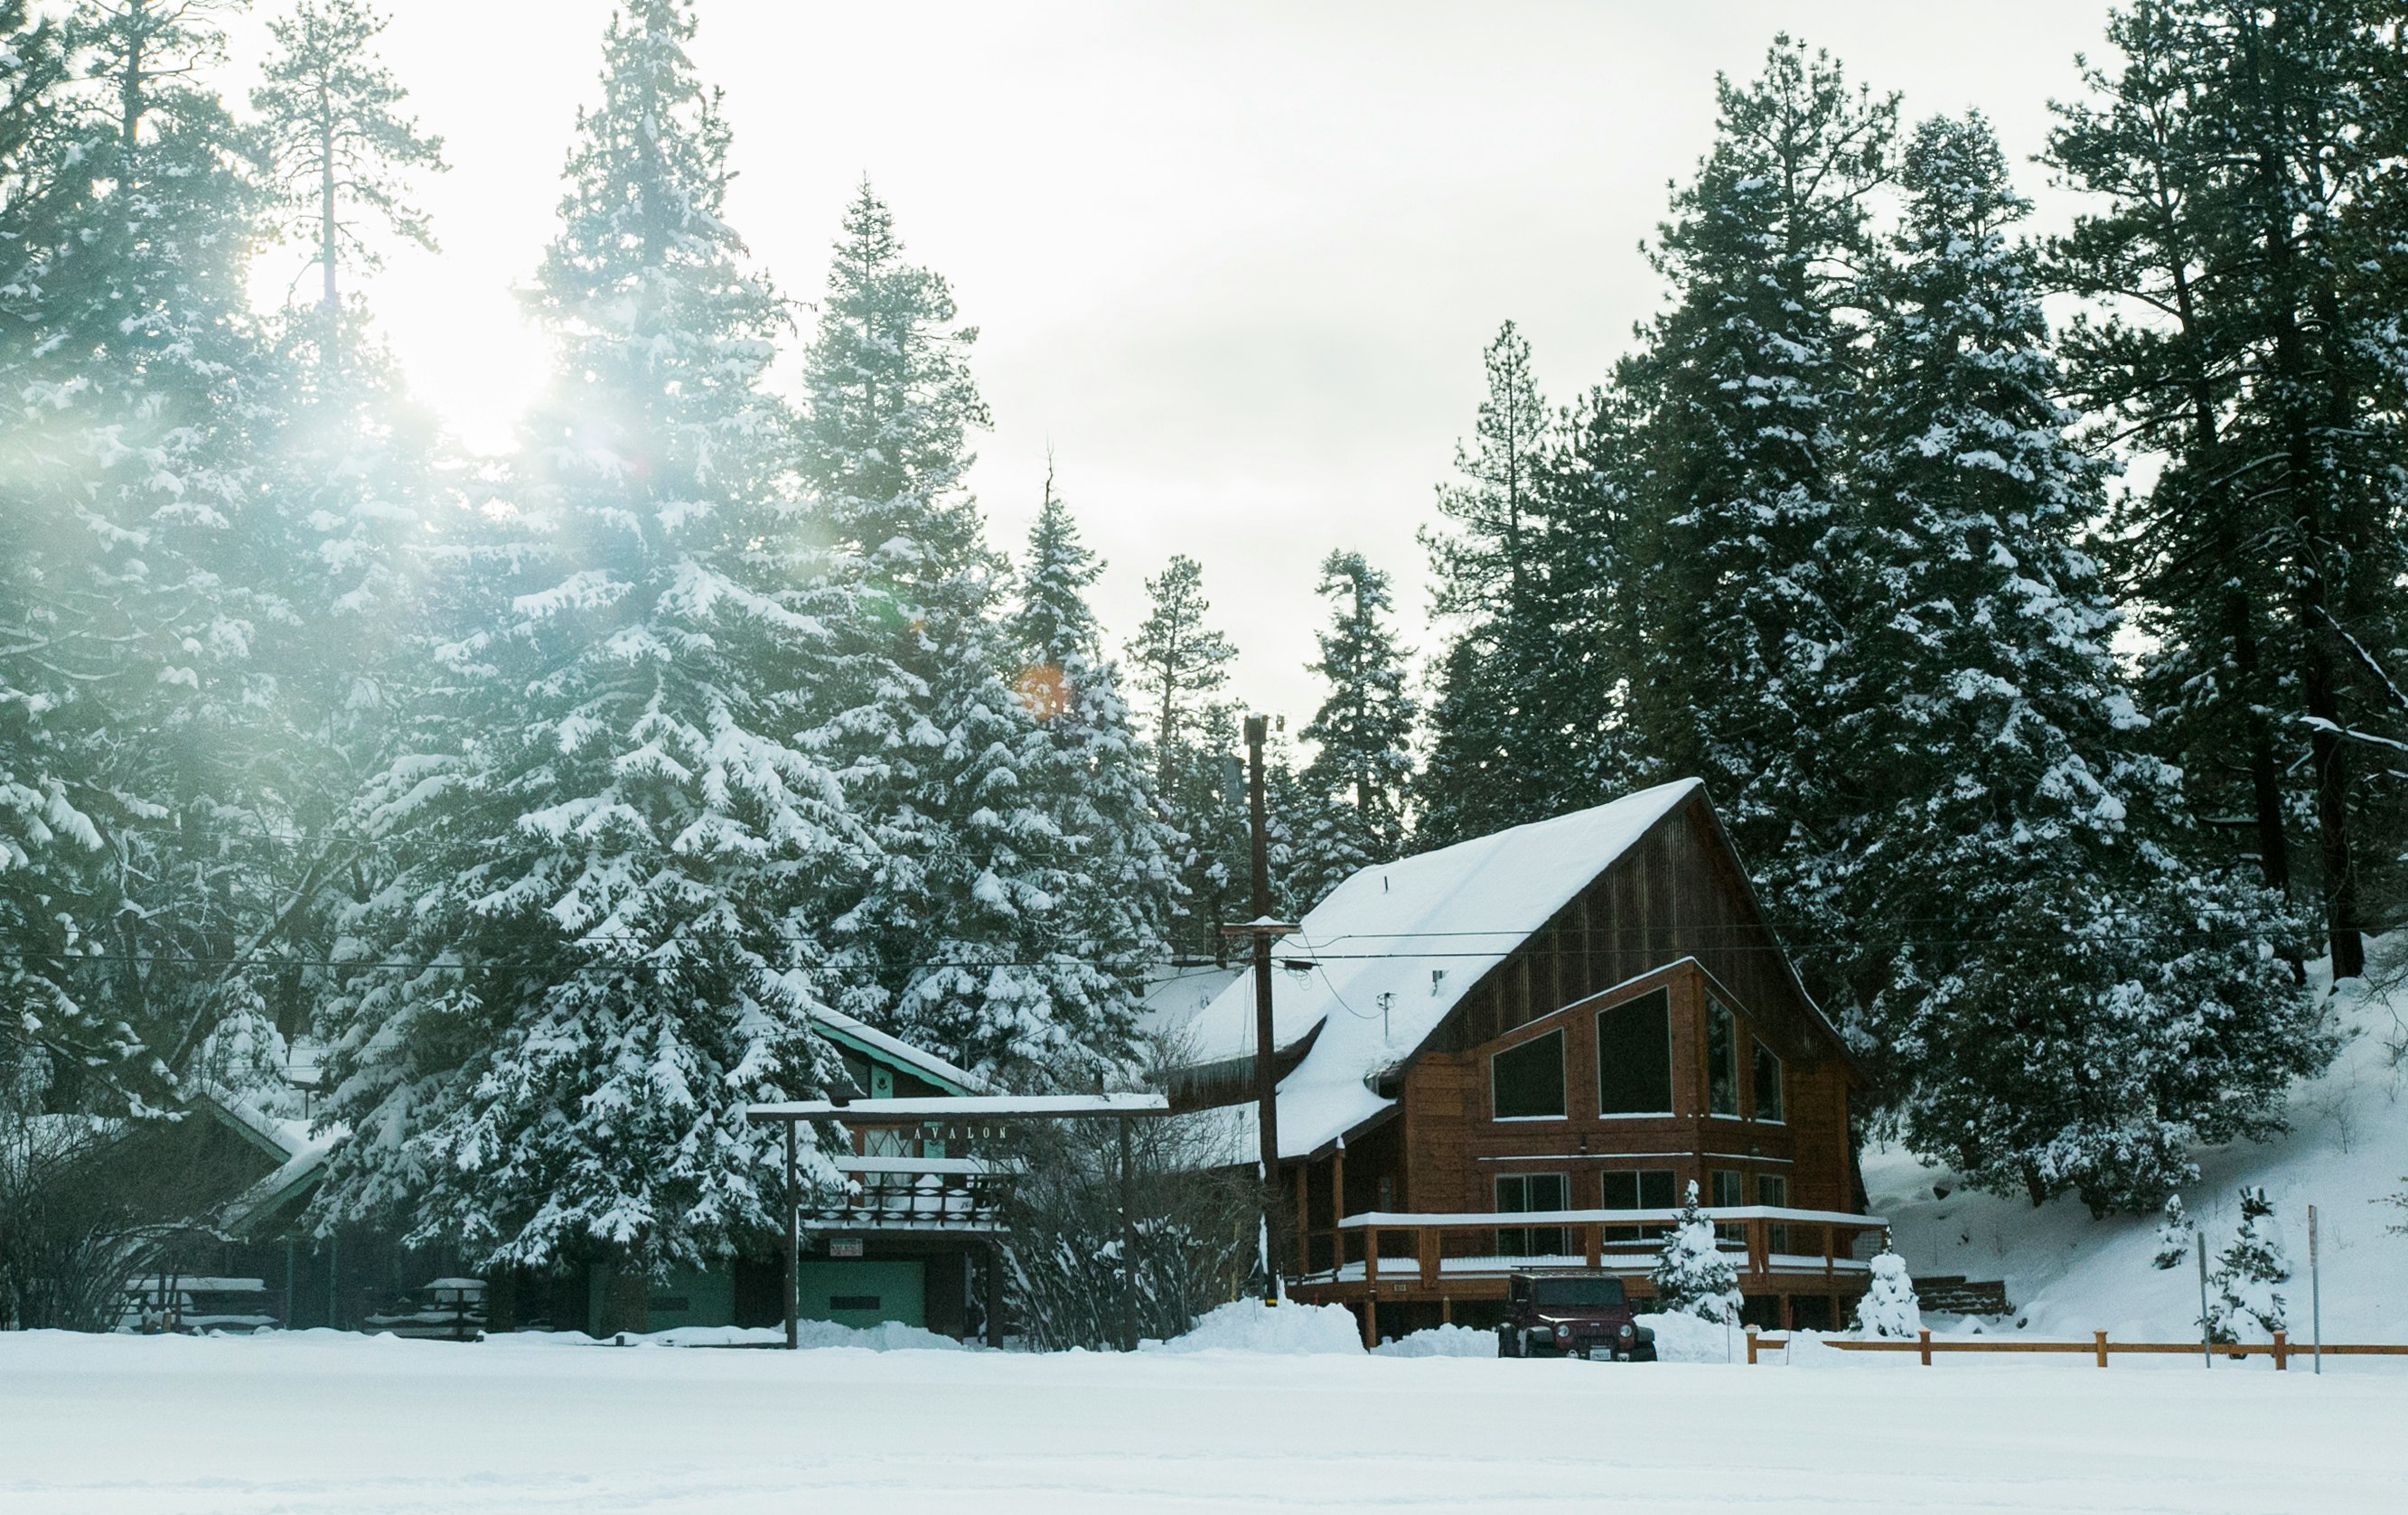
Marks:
<point>1264,931</point>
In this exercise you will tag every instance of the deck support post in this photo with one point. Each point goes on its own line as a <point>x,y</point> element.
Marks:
<point>1128,1241</point>
<point>995,1294</point>
<point>794,1248</point>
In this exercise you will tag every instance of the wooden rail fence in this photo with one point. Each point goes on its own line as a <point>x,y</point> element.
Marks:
<point>2282,1349</point>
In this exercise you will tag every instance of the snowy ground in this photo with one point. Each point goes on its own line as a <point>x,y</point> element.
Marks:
<point>318,1422</point>
<point>2070,1274</point>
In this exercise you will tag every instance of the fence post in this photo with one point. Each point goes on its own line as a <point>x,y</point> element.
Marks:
<point>2281,1351</point>
<point>1924,1338</point>
<point>2098,1340</point>
<point>1751,1346</point>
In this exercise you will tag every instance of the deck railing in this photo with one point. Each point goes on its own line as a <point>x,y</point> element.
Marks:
<point>1420,1249</point>
<point>910,1193</point>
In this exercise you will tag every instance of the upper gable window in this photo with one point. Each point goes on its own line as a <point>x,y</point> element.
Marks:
<point>1722,1059</point>
<point>1767,1084</point>
<point>1527,1082</point>
<point>1634,1056</point>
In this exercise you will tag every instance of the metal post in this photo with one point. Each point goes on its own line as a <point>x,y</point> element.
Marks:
<point>1128,1242</point>
<point>2206,1352</point>
<point>2315,1292</point>
<point>1266,1077</point>
<point>333,1295</point>
<point>794,1248</point>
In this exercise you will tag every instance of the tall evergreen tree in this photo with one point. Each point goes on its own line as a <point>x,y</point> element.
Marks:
<point>615,853</point>
<point>1746,385</point>
<point>339,149</point>
<point>1182,665</point>
<point>2248,257</point>
<point>1511,722</point>
<point>960,937</point>
<point>1358,781</point>
<point>2061,1000</point>
<point>143,848</point>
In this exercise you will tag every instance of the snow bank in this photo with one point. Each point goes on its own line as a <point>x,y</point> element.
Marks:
<point>1442,1341</point>
<point>1289,1330</point>
<point>1685,1339</point>
<point>888,1336</point>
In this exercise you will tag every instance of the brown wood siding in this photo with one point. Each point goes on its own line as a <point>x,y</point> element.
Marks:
<point>1676,894</point>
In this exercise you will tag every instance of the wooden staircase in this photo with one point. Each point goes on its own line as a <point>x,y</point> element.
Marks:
<point>1954,1294</point>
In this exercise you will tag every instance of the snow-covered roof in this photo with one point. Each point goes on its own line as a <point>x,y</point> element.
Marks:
<point>864,1038</point>
<point>1392,949</point>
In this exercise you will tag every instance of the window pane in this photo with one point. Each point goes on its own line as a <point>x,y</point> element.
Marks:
<point>1721,1059</point>
<point>1767,1085</point>
<point>1656,1188</point>
<point>1529,1079</point>
<point>1634,1056</point>
<point>1547,1192</point>
<point>1621,1191</point>
<point>1725,1185</point>
<point>1774,1190</point>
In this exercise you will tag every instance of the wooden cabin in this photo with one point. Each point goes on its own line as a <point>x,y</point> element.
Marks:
<point>1521,1050</point>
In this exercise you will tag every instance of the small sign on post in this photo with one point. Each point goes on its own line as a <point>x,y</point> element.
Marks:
<point>844,1245</point>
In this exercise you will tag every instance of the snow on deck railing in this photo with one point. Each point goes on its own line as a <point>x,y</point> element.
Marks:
<point>965,1108</point>
<point>1729,1214</point>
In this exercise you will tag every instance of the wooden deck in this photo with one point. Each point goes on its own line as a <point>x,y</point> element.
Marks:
<point>1408,1258</point>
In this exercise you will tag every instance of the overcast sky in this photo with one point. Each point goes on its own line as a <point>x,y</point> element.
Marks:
<point>1233,263</point>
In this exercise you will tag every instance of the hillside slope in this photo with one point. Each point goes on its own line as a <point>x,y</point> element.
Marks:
<point>2069,1275</point>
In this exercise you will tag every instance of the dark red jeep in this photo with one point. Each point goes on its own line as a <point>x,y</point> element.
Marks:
<point>1572,1315</point>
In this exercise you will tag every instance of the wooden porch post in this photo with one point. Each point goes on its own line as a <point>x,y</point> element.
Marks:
<point>1370,1288</point>
<point>995,1294</point>
<point>1303,1217</point>
<point>793,1249</point>
<point>1593,1244</point>
<point>1128,1241</point>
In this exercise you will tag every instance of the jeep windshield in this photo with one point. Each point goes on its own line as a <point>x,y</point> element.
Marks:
<point>1576,1293</point>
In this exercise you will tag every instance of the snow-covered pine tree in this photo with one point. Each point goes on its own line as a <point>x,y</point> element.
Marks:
<point>1357,785</point>
<point>138,865</point>
<point>615,845</point>
<point>1512,720</point>
<point>2069,1005</point>
<point>1746,389</point>
<point>1073,945</point>
<point>1180,666</point>
<point>1692,1275</point>
<point>2245,1300</point>
<point>357,510</point>
<point>2246,213</point>
<point>1890,1308</point>
<point>2175,1236</point>
<point>939,943</point>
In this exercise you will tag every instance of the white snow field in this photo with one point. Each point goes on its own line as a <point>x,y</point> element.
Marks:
<point>318,1422</point>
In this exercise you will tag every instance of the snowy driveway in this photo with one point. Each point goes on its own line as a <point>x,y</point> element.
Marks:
<point>316,1422</point>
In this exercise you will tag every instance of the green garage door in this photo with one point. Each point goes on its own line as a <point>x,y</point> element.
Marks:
<point>864,1293</point>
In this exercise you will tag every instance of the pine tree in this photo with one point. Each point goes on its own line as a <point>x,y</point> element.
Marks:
<point>2175,1235</point>
<point>1512,723</point>
<point>2244,1298</point>
<point>1357,785</point>
<point>1692,1275</point>
<point>1745,391</point>
<point>1182,664</point>
<point>1889,1309</point>
<point>1182,668</point>
<point>1987,758</point>
<point>2252,216</point>
<point>616,838</point>
<point>138,867</point>
<point>339,149</point>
